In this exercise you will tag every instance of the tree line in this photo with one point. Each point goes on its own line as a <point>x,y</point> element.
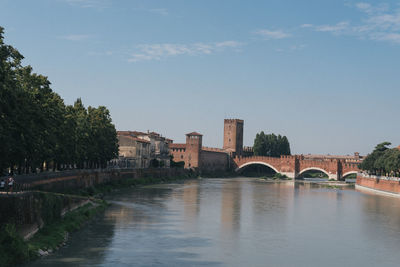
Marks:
<point>271,145</point>
<point>382,161</point>
<point>39,131</point>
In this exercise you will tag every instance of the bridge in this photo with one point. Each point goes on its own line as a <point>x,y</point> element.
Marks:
<point>295,166</point>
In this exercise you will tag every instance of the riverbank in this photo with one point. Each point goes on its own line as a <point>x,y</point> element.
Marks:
<point>379,184</point>
<point>15,250</point>
<point>52,220</point>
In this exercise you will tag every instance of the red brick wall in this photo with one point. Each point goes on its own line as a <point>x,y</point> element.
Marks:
<point>214,161</point>
<point>178,154</point>
<point>379,184</point>
<point>193,150</point>
<point>233,136</point>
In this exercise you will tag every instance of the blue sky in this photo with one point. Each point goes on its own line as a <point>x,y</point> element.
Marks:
<point>324,73</point>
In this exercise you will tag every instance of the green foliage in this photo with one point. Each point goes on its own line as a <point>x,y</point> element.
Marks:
<point>382,161</point>
<point>13,249</point>
<point>36,127</point>
<point>271,145</point>
<point>280,176</point>
<point>176,164</point>
<point>154,163</point>
<point>52,235</point>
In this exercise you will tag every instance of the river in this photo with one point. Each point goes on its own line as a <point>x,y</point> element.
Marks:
<point>238,222</point>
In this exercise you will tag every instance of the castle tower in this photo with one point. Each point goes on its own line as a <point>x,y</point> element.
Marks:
<point>233,136</point>
<point>193,150</point>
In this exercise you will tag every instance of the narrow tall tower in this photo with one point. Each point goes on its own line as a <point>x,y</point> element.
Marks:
<point>233,136</point>
<point>193,150</point>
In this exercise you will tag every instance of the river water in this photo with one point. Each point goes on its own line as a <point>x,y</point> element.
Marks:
<point>238,222</point>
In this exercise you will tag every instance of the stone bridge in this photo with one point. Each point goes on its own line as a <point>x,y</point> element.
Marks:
<point>294,166</point>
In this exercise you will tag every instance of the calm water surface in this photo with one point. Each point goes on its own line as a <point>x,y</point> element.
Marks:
<point>238,222</point>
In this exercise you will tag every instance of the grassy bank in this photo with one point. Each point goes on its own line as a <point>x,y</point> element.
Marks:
<point>14,250</point>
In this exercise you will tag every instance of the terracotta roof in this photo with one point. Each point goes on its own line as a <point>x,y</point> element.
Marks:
<point>124,132</point>
<point>194,133</point>
<point>177,145</point>
<point>138,133</point>
<point>212,149</point>
<point>137,139</point>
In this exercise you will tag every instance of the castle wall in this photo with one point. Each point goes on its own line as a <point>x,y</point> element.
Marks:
<point>178,152</point>
<point>381,184</point>
<point>214,161</point>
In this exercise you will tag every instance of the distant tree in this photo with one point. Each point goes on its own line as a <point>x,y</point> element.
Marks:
<point>382,160</point>
<point>271,145</point>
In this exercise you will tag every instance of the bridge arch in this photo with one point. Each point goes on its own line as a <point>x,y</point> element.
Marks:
<point>348,173</point>
<point>313,169</point>
<point>256,162</point>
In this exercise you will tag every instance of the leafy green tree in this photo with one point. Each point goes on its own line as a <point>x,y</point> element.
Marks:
<point>271,145</point>
<point>374,163</point>
<point>37,129</point>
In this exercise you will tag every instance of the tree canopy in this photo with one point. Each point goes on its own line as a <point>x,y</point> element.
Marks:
<point>271,145</point>
<point>382,161</point>
<point>36,127</point>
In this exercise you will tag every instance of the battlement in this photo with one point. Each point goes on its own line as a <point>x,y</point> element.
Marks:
<point>212,149</point>
<point>233,120</point>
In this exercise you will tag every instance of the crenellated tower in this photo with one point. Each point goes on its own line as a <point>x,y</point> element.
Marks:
<point>193,150</point>
<point>233,136</point>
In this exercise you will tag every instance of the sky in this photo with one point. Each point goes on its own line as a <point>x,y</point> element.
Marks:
<point>325,73</point>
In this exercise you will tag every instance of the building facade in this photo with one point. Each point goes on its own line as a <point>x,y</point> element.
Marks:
<point>140,150</point>
<point>134,152</point>
<point>197,156</point>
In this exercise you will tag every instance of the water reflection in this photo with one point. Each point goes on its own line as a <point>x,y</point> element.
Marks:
<point>237,222</point>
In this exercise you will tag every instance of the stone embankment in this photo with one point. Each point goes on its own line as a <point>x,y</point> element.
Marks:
<point>379,184</point>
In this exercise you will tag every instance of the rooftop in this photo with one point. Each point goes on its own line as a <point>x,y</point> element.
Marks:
<point>194,134</point>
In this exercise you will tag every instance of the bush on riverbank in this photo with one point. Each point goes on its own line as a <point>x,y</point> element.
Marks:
<point>14,250</point>
<point>53,235</point>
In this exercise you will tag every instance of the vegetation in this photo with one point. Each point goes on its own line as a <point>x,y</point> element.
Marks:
<point>14,250</point>
<point>271,145</point>
<point>382,161</point>
<point>314,174</point>
<point>38,131</point>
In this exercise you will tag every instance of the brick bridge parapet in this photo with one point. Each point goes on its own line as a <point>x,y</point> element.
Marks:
<point>294,166</point>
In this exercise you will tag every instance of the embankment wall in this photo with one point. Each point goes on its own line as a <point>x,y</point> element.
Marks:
<point>63,181</point>
<point>30,210</point>
<point>379,183</point>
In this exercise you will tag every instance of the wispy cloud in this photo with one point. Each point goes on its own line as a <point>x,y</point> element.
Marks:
<point>100,4</point>
<point>379,23</point>
<point>272,34</point>
<point>75,37</point>
<point>161,51</point>
<point>159,11</point>
<point>336,28</point>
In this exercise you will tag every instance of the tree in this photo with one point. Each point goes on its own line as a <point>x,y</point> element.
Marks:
<point>374,163</point>
<point>271,145</point>
<point>37,128</point>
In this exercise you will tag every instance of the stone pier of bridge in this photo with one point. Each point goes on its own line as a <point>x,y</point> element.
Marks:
<point>294,166</point>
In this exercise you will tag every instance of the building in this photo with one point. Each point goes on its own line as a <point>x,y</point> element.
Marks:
<point>134,152</point>
<point>356,158</point>
<point>159,147</point>
<point>197,156</point>
<point>140,150</point>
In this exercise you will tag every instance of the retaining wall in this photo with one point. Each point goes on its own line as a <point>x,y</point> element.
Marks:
<point>379,183</point>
